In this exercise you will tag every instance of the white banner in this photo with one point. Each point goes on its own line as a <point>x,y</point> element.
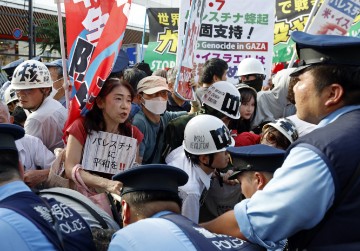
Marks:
<point>108,152</point>
<point>335,17</point>
<point>233,30</point>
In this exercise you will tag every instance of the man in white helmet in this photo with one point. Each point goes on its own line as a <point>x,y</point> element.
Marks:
<point>203,151</point>
<point>251,72</point>
<point>32,82</point>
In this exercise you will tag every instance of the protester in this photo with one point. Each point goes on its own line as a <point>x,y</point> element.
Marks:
<point>174,103</point>
<point>317,186</point>
<point>32,82</point>
<point>251,72</point>
<point>247,110</point>
<point>11,99</point>
<point>108,115</point>
<point>28,222</point>
<point>202,153</point>
<point>224,106</point>
<point>254,166</point>
<point>153,118</point>
<point>56,72</point>
<point>214,70</point>
<point>33,155</point>
<point>150,211</point>
<point>133,77</point>
<point>274,104</point>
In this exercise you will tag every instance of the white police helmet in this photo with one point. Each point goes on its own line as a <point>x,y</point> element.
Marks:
<point>285,127</point>
<point>30,74</point>
<point>250,66</point>
<point>206,134</point>
<point>223,97</point>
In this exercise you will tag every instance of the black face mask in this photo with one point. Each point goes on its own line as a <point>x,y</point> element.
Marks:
<point>256,83</point>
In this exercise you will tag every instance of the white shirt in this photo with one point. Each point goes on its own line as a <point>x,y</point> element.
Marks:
<point>47,123</point>
<point>33,153</point>
<point>191,192</point>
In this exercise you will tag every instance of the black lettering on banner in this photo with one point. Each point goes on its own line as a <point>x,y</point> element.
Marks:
<point>231,104</point>
<point>82,54</point>
<point>81,95</point>
<point>221,137</point>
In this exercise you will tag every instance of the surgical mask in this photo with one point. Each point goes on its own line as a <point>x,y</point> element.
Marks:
<point>156,105</point>
<point>53,90</point>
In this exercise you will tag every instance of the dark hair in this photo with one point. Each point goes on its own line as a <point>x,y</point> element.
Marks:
<point>347,76</point>
<point>9,160</point>
<point>94,119</point>
<point>213,67</point>
<point>133,77</point>
<point>138,199</point>
<point>144,67</point>
<point>291,95</point>
<point>244,125</point>
<point>273,135</point>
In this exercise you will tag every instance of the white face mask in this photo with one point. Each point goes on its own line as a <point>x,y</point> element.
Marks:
<point>53,90</point>
<point>156,105</point>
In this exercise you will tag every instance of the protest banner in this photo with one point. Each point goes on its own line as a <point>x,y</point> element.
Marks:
<point>233,30</point>
<point>189,44</point>
<point>108,152</point>
<point>95,31</point>
<point>163,38</point>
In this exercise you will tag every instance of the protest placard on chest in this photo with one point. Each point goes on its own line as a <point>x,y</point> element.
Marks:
<point>108,152</point>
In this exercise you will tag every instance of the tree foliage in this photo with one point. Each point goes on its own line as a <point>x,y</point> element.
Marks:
<point>48,32</point>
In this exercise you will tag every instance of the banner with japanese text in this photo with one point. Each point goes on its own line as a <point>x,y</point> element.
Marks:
<point>95,31</point>
<point>335,17</point>
<point>233,30</point>
<point>163,37</point>
<point>108,152</point>
<point>291,15</point>
<point>185,67</point>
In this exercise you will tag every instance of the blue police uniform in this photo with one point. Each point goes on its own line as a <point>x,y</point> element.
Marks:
<point>17,232</point>
<point>315,172</point>
<point>166,230</point>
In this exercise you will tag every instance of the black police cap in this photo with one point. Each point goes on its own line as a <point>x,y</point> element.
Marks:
<point>325,49</point>
<point>262,158</point>
<point>8,134</point>
<point>152,177</point>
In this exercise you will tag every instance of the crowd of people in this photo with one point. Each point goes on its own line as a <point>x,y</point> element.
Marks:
<point>245,166</point>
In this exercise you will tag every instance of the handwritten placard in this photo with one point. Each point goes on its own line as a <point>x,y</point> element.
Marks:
<point>108,153</point>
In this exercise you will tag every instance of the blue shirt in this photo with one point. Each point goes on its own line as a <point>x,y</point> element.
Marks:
<point>150,131</point>
<point>297,198</point>
<point>151,234</point>
<point>17,232</point>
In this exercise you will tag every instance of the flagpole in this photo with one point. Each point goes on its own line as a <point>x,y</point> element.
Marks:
<point>312,14</point>
<point>143,38</point>
<point>63,53</point>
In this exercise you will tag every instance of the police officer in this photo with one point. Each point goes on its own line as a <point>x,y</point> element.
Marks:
<point>254,166</point>
<point>313,199</point>
<point>150,213</point>
<point>28,222</point>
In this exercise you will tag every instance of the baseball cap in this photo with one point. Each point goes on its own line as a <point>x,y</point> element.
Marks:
<point>152,84</point>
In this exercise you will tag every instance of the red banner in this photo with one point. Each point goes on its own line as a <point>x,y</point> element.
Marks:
<point>95,31</point>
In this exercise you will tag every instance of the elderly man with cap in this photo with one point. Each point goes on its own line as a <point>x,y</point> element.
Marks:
<point>150,213</point>
<point>254,166</point>
<point>56,71</point>
<point>32,82</point>
<point>316,190</point>
<point>153,118</point>
<point>28,222</point>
